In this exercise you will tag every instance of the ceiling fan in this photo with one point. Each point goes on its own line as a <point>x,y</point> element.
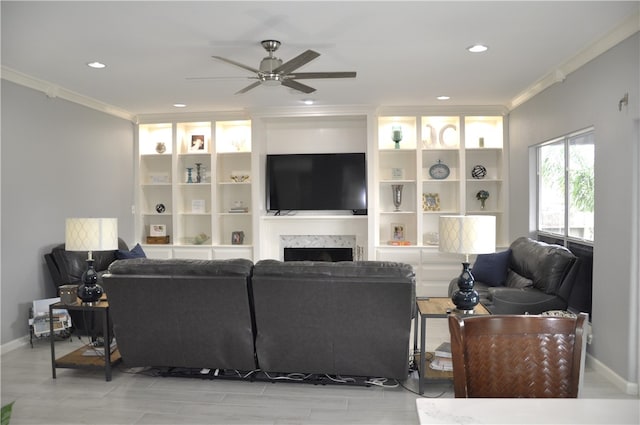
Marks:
<point>273,72</point>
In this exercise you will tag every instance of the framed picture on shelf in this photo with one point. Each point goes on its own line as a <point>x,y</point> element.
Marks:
<point>397,173</point>
<point>237,237</point>
<point>397,232</point>
<point>157,230</point>
<point>198,143</point>
<point>430,202</point>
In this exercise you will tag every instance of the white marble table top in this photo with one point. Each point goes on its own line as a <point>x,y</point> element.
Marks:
<point>528,411</point>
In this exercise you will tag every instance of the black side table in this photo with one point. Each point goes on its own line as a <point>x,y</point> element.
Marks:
<point>76,359</point>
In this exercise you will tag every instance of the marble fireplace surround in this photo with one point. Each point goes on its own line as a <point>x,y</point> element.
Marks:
<point>320,241</point>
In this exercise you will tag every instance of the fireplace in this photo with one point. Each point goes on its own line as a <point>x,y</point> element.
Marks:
<point>318,254</point>
<point>319,248</point>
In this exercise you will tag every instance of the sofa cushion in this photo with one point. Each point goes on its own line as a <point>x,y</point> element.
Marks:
<point>181,267</point>
<point>341,269</point>
<point>514,280</point>
<point>492,268</point>
<point>136,252</point>
<point>545,264</point>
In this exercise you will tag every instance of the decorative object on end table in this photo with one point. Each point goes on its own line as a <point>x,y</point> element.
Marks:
<point>478,172</point>
<point>91,234</point>
<point>439,171</point>
<point>396,190</point>
<point>482,196</point>
<point>396,135</point>
<point>470,234</point>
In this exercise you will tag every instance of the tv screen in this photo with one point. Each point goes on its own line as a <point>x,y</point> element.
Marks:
<point>336,181</point>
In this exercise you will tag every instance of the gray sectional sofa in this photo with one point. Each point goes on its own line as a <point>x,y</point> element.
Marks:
<point>344,318</point>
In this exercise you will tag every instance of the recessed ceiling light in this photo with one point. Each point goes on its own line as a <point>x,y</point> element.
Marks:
<point>308,101</point>
<point>96,65</point>
<point>179,105</point>
<point>443,98</point>
<point>477,48</point>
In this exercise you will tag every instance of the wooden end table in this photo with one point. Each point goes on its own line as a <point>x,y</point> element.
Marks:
<point>437,307</point>
<point>76,359</point>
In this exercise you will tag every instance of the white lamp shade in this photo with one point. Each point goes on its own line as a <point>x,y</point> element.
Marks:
<point>91,234</point>
<point>468,234</point>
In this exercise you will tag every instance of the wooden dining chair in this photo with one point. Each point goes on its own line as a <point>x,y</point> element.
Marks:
<point>517,355</point>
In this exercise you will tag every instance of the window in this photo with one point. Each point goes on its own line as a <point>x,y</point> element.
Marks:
<point>565,170</point>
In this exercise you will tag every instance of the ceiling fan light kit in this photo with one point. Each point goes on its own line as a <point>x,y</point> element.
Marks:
<point>273,72</point>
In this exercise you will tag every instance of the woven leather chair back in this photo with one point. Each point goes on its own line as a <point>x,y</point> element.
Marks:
<point>516,356</point>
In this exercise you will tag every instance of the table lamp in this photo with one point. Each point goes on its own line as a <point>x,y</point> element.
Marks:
<point>91,234</point>
<point>467,234</point>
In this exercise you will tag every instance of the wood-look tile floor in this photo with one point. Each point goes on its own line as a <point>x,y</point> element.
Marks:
<point>84,397</point>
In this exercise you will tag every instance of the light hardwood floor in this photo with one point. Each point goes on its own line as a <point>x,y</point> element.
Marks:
<point>84,397</point>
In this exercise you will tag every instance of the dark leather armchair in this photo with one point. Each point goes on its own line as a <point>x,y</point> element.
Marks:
<point>538,277</point>
<point>517,355</point>
<point>67,267</point>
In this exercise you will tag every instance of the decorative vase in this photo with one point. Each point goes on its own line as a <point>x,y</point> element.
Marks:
<point>160,147</point>
<point>396,135</point>
<point>482,196</point>
<point>189,177</point>
<point>396,190</point>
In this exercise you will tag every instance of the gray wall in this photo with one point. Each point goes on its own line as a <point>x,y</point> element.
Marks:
<point>589,97</point>
<point>59,160</point>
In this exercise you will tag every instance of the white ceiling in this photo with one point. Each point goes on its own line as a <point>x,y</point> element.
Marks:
<point>404,53</point>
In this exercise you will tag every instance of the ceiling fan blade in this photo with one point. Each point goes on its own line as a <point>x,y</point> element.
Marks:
<point>249,87</point>
<point>298,86</point>
<point>217,78</point>
<point>310,75</point>
<point>296,62</point>
<point>232,62</point>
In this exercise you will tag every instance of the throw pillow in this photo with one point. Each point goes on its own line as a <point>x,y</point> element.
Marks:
<point>492,268</point>
<point>136,252</point>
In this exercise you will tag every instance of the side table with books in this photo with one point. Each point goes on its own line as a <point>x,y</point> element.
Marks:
<point>437,307</point>
<point>87,356</point>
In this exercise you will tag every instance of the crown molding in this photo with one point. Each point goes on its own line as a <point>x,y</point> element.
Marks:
<point>55,91</point>
<point>626,29</point>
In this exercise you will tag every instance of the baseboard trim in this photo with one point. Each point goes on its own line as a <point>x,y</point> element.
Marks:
<point>624,385</point>
<point>15,344</point>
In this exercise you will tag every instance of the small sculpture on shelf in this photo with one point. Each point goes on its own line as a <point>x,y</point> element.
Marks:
<point>396,135</point>
<point>482,196</point>
<point>189,176</point>
<point>198,172</point>
<point>160,147</point>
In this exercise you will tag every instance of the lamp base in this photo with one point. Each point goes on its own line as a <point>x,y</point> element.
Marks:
<point>89,291</point>
<point>465,298</point>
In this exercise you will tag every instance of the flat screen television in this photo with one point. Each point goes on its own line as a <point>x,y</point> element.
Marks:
<point>321,182</point>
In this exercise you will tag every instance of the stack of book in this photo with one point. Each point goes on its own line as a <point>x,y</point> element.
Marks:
<point>442,358</point>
